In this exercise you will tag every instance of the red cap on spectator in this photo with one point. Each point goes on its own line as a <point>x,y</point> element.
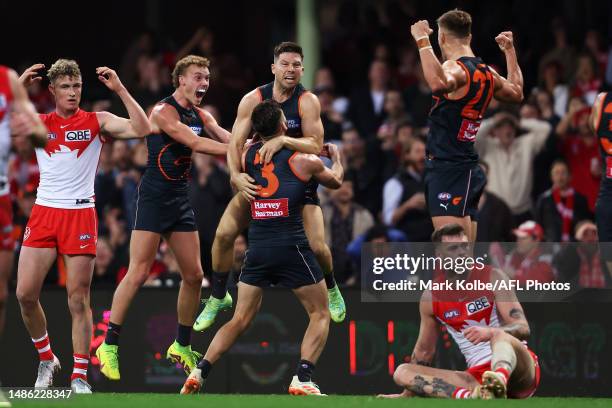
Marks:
<point>529,229</point>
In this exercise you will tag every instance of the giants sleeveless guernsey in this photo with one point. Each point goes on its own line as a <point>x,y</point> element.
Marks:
<point>291,107</point>
<point>6,98</point>
<point>69,161</point>
<point>169,162</point>
<point>453,123</point>
<point>604,134</point>
<point>277,212</point>
<point>458,310</point>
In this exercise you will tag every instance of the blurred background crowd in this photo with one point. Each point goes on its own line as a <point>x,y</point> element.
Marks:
<point>542,160</point>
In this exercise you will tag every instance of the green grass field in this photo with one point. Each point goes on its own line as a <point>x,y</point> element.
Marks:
<point>102,400</point>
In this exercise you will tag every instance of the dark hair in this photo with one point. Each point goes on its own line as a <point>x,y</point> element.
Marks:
<point>377,231</point>
<point>447,230</point>
<point>266,117</point>
<point>287,46</point>
<point>457,22</point>
<point>562,162</point>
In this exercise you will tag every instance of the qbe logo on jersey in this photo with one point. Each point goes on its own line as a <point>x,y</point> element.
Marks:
<point>78,135</point>
<point>477,305</point>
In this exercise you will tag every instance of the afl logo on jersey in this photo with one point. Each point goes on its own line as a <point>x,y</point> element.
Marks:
<point>51,136</point>
<point>477,305</point>
<point>78,135</point>
<point>449,314</point>
<point>2,102</point>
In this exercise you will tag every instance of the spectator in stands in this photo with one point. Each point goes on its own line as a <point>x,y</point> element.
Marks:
<point>511,158</point>
<point>366,105</point>
<point>417,97</point>
<point>331,119</point>
<point>105,273</point>
<point>364,168</point>
<point>586,83</point>
<point>23,166</point>
<point>580,264</point>
<point>593,44</point>
<point>580,149</point>
<point>105,186</point>
<point>126,178</point>
<point>553,85</point>
<point>528,261</point>
<point>559,209</point>
<point>324,78</point>
<point>344,221</point>
<point>562,53</point>
<point>404,204</point>
<point>495,221</point>
<point>210,193</point>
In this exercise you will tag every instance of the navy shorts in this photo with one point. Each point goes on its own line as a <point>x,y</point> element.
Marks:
<point>454,191</point>
<point>603,217</point>
<point>163,212</point>
<point>287,266</point>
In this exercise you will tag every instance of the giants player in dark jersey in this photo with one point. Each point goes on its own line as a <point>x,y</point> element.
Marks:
<point>601,123</point>
<point>179,127</point>
<point>279,252</point>
<point>489,328</point>
<point>304,134</point>
<point>462,88</point>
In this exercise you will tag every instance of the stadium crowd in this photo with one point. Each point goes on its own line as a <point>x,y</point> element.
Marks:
<point>541,158</point>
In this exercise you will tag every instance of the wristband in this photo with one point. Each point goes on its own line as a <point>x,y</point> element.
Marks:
<point>422,42</point>
<point>429,47</point>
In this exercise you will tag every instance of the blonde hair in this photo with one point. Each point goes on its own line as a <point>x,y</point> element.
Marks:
<point>184,63</point>
<point>63,67</point>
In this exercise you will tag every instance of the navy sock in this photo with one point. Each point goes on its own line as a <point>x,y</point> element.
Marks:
<point>329,280</point>
<point>183,336</point>
<point>304,370</point>
<point>205,366</point>
<point>112,334</point>
<point>219,283</point>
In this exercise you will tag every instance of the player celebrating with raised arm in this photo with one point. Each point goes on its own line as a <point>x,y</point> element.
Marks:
<point>278,253</point>
<point>163,208</point>
<point>304,134</point>
<point>462,88</point>
<point>488,327</point>
<point>63,220</point>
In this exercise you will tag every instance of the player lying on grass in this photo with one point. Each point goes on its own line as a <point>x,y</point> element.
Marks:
<point>278,253</point>
<point>488,327</point>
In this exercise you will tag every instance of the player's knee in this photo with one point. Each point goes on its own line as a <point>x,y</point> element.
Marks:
<point>137,274</point>
<point>319,248</point>
<point>78,301</point>
<point>26,299</point>
<point>403,374</point>
<point>194,278</point>
<point>320,315</point>
<point>241,322</point>
<point>225,237</point>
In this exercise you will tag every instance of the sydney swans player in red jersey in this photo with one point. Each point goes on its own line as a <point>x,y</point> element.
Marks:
<point>488,327</point>
<point>63,220</point>
<point>462,88</point>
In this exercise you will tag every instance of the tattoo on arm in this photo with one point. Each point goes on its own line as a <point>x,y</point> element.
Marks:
<point>519,329</point>
<point>437,387</point>
<point>517,313</point>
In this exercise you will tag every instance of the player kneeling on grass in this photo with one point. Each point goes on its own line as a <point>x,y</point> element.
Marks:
<point>487,326</point>
<point>278,253</point>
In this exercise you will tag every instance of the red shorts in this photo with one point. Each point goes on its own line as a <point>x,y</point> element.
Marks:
<point>478,371</point>
<point>7,241</point>
<point>71,231</point>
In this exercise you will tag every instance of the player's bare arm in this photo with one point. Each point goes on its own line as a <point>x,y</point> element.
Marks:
<point>328,177</point>
<point>241,130</point>
<point>441,78</point>
<point>510,312</point>
<point>311,141</point>
<point>164,118</point>
<point>425,346</point>
<point>596,112</point>
<point>212,128</point>
<point>508,89</point>
<point>137,125</point>
<point>24,120</point>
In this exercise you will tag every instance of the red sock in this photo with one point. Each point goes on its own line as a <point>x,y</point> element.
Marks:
<point>81,361</point>
<point>505,373</point>
<point>461,393</point>
<point>43,346</point>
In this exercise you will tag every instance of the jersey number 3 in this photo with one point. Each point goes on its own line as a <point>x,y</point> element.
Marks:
<point>267,172</point>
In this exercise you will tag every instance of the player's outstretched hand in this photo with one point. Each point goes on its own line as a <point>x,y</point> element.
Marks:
<point>245,185</point>
<point>270,148</point>
<point>478,334</point>
<point>420,29</point>
<point>31,75</point>
<point>505,41</point>
<point>109,78</point>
